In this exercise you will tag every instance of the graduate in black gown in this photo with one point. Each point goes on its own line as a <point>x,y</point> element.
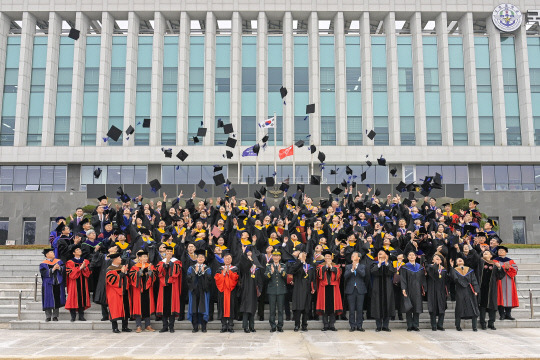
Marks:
<point>487,297</point>
<point>304,284</point>
<point>437,292</point>
<point>413,285</point>
<point>466,292</point>
<point>251,284</point>
<point>382,295</point>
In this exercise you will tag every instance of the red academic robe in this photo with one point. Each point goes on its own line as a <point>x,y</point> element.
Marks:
<point>172,276</point>
<point>322,281</point>
<point>77,285</point>
<point>506,287</point>
<point>226,283</point>
<point>115,286</point>
<point>138,286</point>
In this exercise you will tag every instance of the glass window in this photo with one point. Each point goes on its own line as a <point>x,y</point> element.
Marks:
<point>114,174</point>
<point>29,232</point>
<point>4,229</point>
<point>518,227</point>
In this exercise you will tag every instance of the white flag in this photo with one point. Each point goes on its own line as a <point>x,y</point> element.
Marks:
<point>269,123</point>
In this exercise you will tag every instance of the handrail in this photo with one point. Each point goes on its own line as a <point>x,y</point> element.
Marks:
<point>19,306</point>
<point>35,288</point>
<point>531,302</point>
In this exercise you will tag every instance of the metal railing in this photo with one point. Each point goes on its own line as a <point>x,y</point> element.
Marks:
<point>35,287</point>
<point>19,305</point>
<point>531,303</point>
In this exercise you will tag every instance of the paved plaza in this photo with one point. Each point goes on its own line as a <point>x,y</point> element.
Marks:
<point>314,344</point>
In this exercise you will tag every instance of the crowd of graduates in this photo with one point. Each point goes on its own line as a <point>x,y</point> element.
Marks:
<point>376,258</point>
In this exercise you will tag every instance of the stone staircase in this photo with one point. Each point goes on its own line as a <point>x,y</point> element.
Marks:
<point>17,276</point>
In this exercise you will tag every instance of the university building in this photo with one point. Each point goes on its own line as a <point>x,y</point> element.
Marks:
<point>449,87</point>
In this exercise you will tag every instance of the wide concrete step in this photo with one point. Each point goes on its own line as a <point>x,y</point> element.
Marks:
<point>19,285</point>
<point>12,300</point>
<point>9,309</point>
<point>18,278</point>
<point>20,267</point>
<point>215,326</point>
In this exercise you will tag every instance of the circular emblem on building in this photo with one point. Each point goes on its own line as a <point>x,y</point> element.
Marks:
<point>507,17</point>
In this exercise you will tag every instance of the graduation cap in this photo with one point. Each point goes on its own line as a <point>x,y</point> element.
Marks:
<point>369,163</point>
<point>257,194</point>
<point>492,222</point>
<point>411,187</point>
<point>146,123</point>
<point>196,140</point>
<point>324,203</point>
<point>74,34</point>
<point>348,170</point>
<point>411,196</point>
<point>155,185</point>
<point>402,187</point>
<point>321,156</point>
<point>300,187</point>
<point>425,192</point>
<point>219,179</point>
<point>201,132</point>
<point>256,148</point>
<point>262,190</point>
<point>270,181</point>
<point>97,173</point>
<point>220,123</point>
<point>167,152</point>
<point>265,138</point>
<point>313,148</point>
<point>231,192</point>
<point>231,142</point>
<point>474,202</point>
<point>377,192</point>
<point>371,134</point>
<point>228,128</point>
<point>284,187</point>
<point>201,184</point>
<point>218,168</point>
<point>102,197</point>
<point>381,161</point>
<point>393,172</point>
<point>363,176</point>
<point>315,180</point>
<point>130,130</point>
<point>469,229</point>
<point>182,155</point>
<point>333,172</point>
<point>310,109</point>
<point>375,208</point>
<point>337,191</point>
<point>437,178</point>
<point>283,92</point>
<point>344,183</point>
<point>114,133</point>
<point>407,202</point>
<point>299,143</point>
<point>228,154</point>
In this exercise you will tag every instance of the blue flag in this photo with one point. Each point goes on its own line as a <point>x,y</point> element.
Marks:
<point>249,152</point>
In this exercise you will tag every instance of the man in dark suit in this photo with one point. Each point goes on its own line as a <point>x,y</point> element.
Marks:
<point>74,224</point>
<point>355,289</point>
<point>100,219</point>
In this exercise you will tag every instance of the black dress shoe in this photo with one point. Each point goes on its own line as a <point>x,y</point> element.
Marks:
<point>287,317</point>
<point>352,329</point>
<point>296,328</point>
<point>409,329</point>
<point>304,328</point>
<point>433,329</point>
<point>246,331</point>
<point>104,319</point>
<point>203,330</point>
<point>72,319</point>
<point>54,319</point>
<point>400,317</point>
<point>252,330</point>
<point>440,328</point>
<point>509,318</point>
<point>223,330</point>
<point>483,327</point>
<point>261,318</point>
<point>181,317</point>
<point>48,319</point>
<point>81,318</point>
<point>171,330</point>
<point>475,329</point>
<point>332,328</point>
<point>492,327</point>
<point>458,328</point>
<point>127,330</point>
<point>163,330</point>
<point>416,329</point>
<point>231,330</point>
<point>386,329</point>
<point>324,329</point>
<point>280,329</point>
<point>378,329</point>
<point>273,330</point>
<point>360,329</point>
<point>344,317</point>
<point>116,331</point>
<point>501,318</point>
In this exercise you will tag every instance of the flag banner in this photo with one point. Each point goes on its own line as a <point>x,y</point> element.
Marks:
<point>283,153</point>
<point>269,123</point>
<point>248,152</point>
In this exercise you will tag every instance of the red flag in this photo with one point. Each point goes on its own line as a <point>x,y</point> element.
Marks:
<point>283,153</point>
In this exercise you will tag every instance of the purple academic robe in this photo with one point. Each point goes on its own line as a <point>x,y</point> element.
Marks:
<point>53,291</point>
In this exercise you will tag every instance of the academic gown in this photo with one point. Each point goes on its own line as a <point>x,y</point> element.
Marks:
<point>199,291</point>
<point>100,263</point>
<point>142,291</point>
<point>226,285</point>
<point>328,294</point>
<point>489,277</point>
<point>466,286</point>
<point>117,290</point>
<point>170,278</point>
<point>52,290</point>
<point>304,282</point>
<point>382,294</point>
<point>436,289</point>
<point>77,284</point>
<point>413,281</point>
<point>506,287</point>
<point>251,285</point>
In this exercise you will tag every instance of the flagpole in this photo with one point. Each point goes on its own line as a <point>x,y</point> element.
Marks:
<point>312,142</point>
<point>257,159</point>
<point>293,166</point>
<point>275,146</point>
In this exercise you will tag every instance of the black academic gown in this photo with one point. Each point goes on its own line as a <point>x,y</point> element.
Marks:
<point>436,289</point>
<point>489,274</point>
<point>413,281</point>
<point>304,283</point>
<point>99,263</point>
<point>382,294</point>
<point>251,285</point>
<point>466,301</point>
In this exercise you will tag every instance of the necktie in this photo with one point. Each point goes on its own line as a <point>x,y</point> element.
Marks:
<point>78,220</point>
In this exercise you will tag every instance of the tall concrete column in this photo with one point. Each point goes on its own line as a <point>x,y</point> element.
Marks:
<point>156,92</point>
<point>469,69</point>
<point>288,78</point>
<point>367,77</point>
<point>418,80</point>
<point>104,89</point>
<point>209,77</point>
<point>341,79</point>
<point>132,50</point>
<point>524,87</point>
<point>51,79</point>
<point>445,95</point>
<point>25,76</point>
<point>497,83</point>
<point>314,78</point>
<point>392,79</point>
<point>82,23</point>
<point>183,79</point>
<point>262,69</point>
<point>4,31</point>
